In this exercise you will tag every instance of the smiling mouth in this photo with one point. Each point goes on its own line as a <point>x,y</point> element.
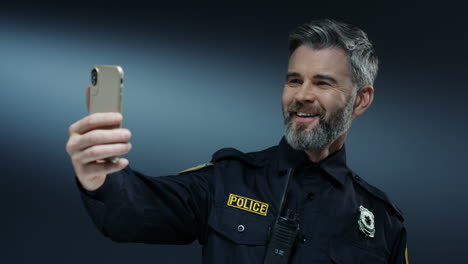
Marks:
<point>301,114</point>
<point>305,117</point>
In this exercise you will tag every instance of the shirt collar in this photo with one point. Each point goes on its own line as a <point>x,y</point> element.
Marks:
<point>334,164</point>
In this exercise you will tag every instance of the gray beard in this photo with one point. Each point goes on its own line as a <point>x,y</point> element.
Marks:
<point>324,134</point>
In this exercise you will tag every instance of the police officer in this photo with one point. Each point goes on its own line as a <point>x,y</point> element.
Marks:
<point>296,202</point>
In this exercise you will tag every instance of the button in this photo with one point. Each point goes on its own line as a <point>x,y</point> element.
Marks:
<point>303,239</point>
<point>240,228</point>
<point>313,165</point>
<point>310,196</point>
<point>356,177</point>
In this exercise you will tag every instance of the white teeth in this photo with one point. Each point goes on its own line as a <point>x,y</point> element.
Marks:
<point>304,114</point>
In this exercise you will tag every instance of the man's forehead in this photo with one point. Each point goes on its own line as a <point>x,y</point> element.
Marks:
<point>329,61</point>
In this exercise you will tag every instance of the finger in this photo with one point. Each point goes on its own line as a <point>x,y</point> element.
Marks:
<point>102,136</point>
<point>95,169</point>
<point>97,120</point>
<point>87,97</point>
<point>100,152</point>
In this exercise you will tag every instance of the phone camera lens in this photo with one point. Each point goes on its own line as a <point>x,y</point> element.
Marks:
<point>94,77</point>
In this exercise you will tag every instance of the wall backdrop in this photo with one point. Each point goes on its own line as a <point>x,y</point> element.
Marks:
<point>201,78</point>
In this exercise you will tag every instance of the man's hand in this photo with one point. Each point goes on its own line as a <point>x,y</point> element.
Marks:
<point>90,143</point>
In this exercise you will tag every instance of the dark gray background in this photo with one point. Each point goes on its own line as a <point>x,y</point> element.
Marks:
<point>201,78</point>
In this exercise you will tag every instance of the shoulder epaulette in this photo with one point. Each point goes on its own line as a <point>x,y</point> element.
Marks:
<point>374,191</point>
<point>198,167</point>
<point>231,153</point>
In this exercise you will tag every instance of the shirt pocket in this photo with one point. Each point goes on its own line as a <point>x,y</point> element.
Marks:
<point>240,227</point>
<point>344,250</point>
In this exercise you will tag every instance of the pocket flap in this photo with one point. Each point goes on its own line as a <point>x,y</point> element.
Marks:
<point>239,226</point>
<point>343,251</point>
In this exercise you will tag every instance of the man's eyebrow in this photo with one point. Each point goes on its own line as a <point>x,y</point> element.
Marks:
<point>316,76</point>
<point>325,77</point>
<point>292,74</point>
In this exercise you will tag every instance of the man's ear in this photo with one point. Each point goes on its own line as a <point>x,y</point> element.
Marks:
<point>364,99</point>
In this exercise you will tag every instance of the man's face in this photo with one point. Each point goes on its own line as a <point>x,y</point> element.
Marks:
<point>317,98</point>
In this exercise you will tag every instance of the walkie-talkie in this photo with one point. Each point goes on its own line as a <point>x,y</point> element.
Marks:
<point>283,234</point>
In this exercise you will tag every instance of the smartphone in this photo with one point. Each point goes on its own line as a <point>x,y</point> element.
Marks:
<point>106,92</point>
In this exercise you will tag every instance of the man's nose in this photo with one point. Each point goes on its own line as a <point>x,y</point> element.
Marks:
<point>306,93</point>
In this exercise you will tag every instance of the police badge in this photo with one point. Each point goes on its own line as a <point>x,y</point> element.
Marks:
<point>366,222</point>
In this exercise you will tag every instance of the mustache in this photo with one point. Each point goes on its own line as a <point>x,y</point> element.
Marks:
<point>300,107</point>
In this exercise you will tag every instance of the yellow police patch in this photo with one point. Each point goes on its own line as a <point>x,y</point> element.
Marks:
<point>247,204</point>
<point>198,167</point>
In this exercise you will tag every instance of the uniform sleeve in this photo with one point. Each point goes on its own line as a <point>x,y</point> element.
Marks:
<point>132,207</point>
<point>399,252</point>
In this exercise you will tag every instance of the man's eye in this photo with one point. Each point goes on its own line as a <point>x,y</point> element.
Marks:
<point>322,83</point>
<point>294,81</point>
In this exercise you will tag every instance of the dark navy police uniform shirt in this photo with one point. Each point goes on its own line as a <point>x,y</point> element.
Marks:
<point>230,204</point>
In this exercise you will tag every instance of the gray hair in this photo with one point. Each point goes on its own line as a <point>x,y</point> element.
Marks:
<point>327,33</point>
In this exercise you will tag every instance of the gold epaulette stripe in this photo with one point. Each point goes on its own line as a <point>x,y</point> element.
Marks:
<point>198,167</point>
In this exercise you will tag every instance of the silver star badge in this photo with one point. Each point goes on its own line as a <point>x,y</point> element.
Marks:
<point>366,222</point>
